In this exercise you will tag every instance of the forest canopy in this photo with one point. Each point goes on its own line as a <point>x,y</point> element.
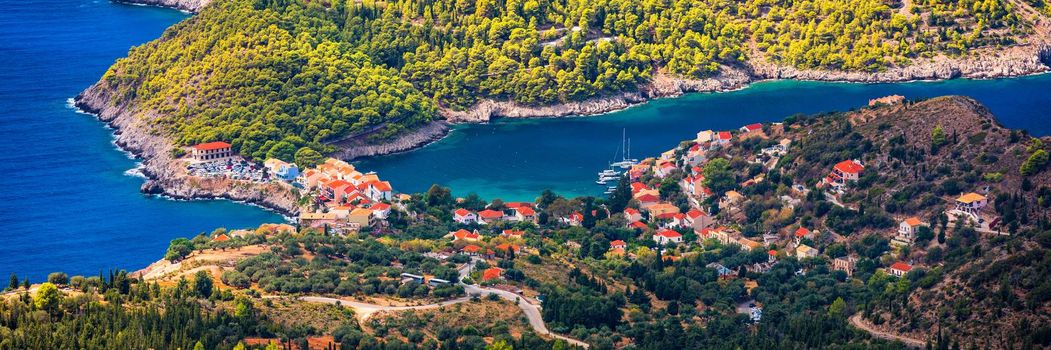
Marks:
<point>275,77</point>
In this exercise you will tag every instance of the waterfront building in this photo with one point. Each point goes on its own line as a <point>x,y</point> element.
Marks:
<point>211,151</point>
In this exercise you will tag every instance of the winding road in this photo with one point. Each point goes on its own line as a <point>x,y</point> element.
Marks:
<point>531,310</point>
<point>862,324</point>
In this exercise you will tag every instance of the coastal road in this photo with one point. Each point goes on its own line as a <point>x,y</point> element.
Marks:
<point>861,323</point>
<point>531,310</point>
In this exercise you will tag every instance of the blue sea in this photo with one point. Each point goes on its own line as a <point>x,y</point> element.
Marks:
<point>515,159</point>
<point>70,201</point>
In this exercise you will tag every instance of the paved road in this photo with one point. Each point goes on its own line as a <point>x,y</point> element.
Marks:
<point>531,310</point>
<point>861,323</point>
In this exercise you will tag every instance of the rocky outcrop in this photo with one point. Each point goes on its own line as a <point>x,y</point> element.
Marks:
<point>166,175</point>
<point>361,147</point>
<point>183,5</point>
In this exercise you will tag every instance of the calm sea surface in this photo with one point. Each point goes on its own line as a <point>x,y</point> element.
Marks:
<point>515,159</point>
<point>68,201</point>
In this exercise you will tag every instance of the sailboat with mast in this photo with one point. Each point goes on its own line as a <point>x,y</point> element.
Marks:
<point>626,161</point>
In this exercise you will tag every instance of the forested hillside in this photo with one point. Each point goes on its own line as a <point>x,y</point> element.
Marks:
<point>277,76</point>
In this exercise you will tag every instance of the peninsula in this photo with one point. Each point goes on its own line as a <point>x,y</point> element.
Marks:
<point>275,78</point>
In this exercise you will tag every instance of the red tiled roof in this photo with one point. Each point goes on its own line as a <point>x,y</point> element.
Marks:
<point>491,214</point>
<point>724,135</point>
<point>380,206</point>
<point>848,166</point>
<point>913,221</point>
<point>461,212</point>
<point>471,248</point>
<point>513,233</point>
<point>338,184</point>
<point>638,225</point>
<point>772,252</point>
<point>492,273</point>
<point>525,211</point>
<point>222,237</point>
<point>802,231</point>
<point>648,198</point>
<point>507,246</point>
<point>618,243</point>
<point>461,234</point>
<point>668,234</point>
<point>753,127</point>
<point>631,211</point>
<point>694,213</point>
<point>900,266</point>
<point>212,146</point>
<point>382,186</point>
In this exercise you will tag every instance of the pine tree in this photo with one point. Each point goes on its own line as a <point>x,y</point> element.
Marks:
<point>14,282</point>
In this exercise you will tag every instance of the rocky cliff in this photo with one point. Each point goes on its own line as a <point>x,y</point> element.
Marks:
<point>184,5</point>
<point>166,175</point>
<point>361,147</point>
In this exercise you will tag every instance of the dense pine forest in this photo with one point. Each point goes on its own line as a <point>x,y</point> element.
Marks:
<point>281,77</point>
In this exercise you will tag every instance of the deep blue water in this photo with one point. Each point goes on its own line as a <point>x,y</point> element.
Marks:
<point>67,204</point>
<point>65,201</point>
<point>515,159</point>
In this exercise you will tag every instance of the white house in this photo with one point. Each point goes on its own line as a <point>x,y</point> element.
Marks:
<point>663,237</point>
<point>464,216</point>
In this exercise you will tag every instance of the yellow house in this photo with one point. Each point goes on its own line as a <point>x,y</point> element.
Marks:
<point>360,217</point>
<point>804,251</point>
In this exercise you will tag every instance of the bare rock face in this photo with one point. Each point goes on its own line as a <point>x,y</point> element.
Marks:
<point>361,147</point>
<point>184,5</point>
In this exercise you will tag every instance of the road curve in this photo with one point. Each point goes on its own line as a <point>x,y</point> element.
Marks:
<point>531,311</point>
<point>860,323</point>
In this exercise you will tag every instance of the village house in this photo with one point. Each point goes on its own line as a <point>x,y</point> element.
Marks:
<point>380,210</point>
<point>638,225</point>
<point>632,215</point>
<point>658,209</point>
<point>899,269</point>
<point>318,220</point>
<point>971,204</point>
<point>664,168</point>
<point>843,173</point>
<point>489,216</point>
<point>666,236</point>
<point>512,234</point>
<point>211,151</point>
<point>751,130</point>
<point>722,138</point>
<point>730,200</point>
<point>907,230</point>
<point>508,247</point>
<point>694,156</point>
<point>804,251</point>
<point>618,244</point>
<point>705,137</point>
<point>698,219</point>
<point>379,191</point>
<point>647,200</point>
<point>492,273</point>
<point>845,264</point>
<point>470,250</point>
<point>282,170</point>
<point>464,235</point>
<point>464,216</point>
<point>801,233</point>
<point>527,214</point>
<point>673,220</point>
<point>360,217</point>
<point>573,219</point>
<point>748,245</point>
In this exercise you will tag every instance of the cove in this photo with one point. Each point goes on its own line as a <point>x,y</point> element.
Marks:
<point>66,202</point>
<point>516,159</point>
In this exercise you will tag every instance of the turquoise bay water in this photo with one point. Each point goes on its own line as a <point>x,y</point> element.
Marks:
<point>67,204</point>
<point>515,159</point>
<point>65,200</point>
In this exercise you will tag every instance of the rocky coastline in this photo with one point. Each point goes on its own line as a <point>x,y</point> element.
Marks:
<point>1033,58</point>
<point>192,6</point>
<point>419,137</point>
<point>166,175</point>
